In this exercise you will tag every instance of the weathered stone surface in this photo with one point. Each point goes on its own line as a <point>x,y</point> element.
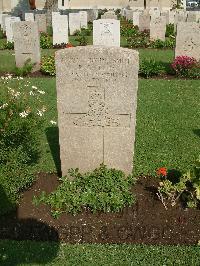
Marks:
<point>41,19</point>
<point>9,30</point>
<point>29,16</point>
<point>158,28</point>
<point>3,24</point>
<point>74,22</point>
<point>144,22</point>
<point>96,100</point>
<point>109,15</point>
<point>192,17</point>
<point>60,29</point>
<point>180,17</point>
<point>83,19</point>
<point>92,15</point>
<point>187,39</point>
<point>26,42</point>
<point>106,32</point>
<point>136,15</point>
<point>171,17</point>
<point>129,14</point>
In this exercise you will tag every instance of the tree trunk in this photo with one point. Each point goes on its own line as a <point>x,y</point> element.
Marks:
<point>32,4</point>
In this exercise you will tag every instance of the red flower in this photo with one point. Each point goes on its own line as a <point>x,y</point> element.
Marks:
<point>162,171</point>
<point>69,45</point>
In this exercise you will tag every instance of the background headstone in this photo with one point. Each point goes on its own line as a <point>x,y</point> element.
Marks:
<point>188,39</point>
<point>106,32</point>
<point>109,15</point>
<point>41,19</point>
<point>9,27</point>
<point>29,16</point>
<point>158,28</point>
<point>97,100</point>
<point>3,25</point>
<point>26,43</point>
<point>60,29</point>
<point>83,19</point>
<point>74,23</point>
<point>144,22</point>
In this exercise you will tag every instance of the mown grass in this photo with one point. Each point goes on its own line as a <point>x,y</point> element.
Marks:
<point>37,253</point>
<point>167,131</point>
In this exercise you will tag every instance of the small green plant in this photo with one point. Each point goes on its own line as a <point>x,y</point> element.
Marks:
<point>8,46</point>
<point>25,70</point>
<point>150,67</point>
<point>45,41</point>
<point>104,189</point>
<point>186,188</point>
<point>170,30</point>
<point>2,35</point>
<point>157,44</point>
<point>48,65</point>
<point>21,112</point>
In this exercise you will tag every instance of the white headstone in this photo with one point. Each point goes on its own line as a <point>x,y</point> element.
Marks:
<point>60,29</point>
<point>3,25</point>
<point>106,32</point>
<point>9,27</point>
<point>74,22</point>
<point>29,16</point>
<point>97,101</point>
<point>188,40</point>
<point>54,17</point>
<point>136,15</point>
<point>157,28</point>
<point>83,19</point>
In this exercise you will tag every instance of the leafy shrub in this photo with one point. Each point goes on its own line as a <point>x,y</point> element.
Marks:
<point>77,33</point>
<point>103,189</point>
<point>170,42</point>
<point>157,44</point>
<point>2,35</point>
<point>48,65</point>
<point>21,114</point>
<point>25,70</point>
<point>186,188</point>
<point>170,30</point>
<point>8,46</point>
<point>50,30</point>
<point>182,65</point>
<point>194,72</point>
<point>45,41</point>
<point>82,40</point>
<point>150,67</point>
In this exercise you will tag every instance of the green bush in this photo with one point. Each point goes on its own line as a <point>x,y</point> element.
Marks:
<point>103,189</point>
<point>82,40</point>
<point>50,31</point>
<point>45,41</point>
<point>8,46</point>
<point>150,67</point>
<point>2,35</point>
<point>157,44</point>
<point>25,70</point>
<point>170,30</point>
<point>48,65</point>
<point>20,121</point>
<point>186,188</point>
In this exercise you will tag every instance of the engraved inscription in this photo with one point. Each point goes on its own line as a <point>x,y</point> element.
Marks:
<point>98,112</point>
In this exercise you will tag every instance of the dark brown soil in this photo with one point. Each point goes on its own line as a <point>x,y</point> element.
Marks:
<point>146,222</point>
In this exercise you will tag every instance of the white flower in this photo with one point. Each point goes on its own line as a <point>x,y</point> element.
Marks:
<point>16,94</point>
<point>44,109</point>
<point>31,93</point>
<point>34,87</point>
<point>4,106</point>
<point>41,92</point>
<point>21,78</point>
<point>53,122</point>
<point>23,114</point>
<point>40,113</point>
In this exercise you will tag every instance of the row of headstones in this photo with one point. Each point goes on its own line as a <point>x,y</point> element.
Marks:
<point>172,16</point>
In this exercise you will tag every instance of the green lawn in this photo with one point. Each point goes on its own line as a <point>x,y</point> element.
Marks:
<point>167,131</point>
<point>37,253</point>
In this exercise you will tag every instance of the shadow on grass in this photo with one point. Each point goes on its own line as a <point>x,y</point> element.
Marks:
<point>52,135</point>
<point>28,252</point>
<point>197,132</point>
